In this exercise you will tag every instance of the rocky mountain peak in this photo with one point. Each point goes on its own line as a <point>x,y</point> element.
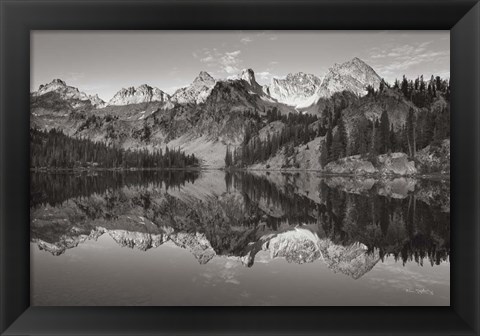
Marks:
<point>197,92</point>
<point>58,81</point>
<point>248,75</point>
<point>144,87</point>
<point>53,85</point>
<point>66,92</point>
<point>354,76</point>
<point>204,76</point>
<point>142,94</point>
<point>97,101</point>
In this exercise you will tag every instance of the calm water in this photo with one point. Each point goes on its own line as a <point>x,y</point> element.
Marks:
<point>211,238</point>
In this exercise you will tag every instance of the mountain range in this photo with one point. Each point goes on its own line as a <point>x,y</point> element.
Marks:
<point>211,115</point>
<point>297,90</point>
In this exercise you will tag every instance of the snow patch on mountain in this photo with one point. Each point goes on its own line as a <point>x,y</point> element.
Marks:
<point>295,89</point>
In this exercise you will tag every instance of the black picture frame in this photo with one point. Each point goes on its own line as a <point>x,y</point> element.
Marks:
<point>18,17</point>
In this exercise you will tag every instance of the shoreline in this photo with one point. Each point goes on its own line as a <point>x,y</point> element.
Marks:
<point>440,176</point>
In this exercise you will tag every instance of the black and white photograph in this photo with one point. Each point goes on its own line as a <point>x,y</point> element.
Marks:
<point>240,168</point>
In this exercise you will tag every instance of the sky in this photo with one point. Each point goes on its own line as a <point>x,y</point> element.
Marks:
<point>103,62</point>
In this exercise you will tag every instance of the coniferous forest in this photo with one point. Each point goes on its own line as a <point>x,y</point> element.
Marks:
<point>427,123</point>
<point>54,149</point>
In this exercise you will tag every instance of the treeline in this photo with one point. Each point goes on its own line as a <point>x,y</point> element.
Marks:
<point>428,123</point>
<point>423,93</point>
<point>297,129</point>
<point>54,149</point>
<point>428,127</point>
<point>57,187</point>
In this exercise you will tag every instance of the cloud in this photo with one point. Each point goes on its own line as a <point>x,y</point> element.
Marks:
<point>264,75</point>
<point>246,40</point>
<point>230,69</point>
<point>394,61</point>
<point>206,59</point>
<point>227,61</point>
<point>233,53</point>
<point>273,38</point>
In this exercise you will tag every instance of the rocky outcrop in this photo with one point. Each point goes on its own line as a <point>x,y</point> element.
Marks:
<point>435,158</point>
<point>142,94</point>
<point>350,165</point>
<point>385,164</point>
<point>395,164</point>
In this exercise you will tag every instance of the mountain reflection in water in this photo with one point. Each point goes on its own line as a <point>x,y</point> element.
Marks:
<point>348,224</point>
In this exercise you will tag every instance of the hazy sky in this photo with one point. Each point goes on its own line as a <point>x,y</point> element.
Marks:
<point>103,62</point>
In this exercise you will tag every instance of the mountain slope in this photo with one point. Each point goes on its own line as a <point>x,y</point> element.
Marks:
<point>295,89</point>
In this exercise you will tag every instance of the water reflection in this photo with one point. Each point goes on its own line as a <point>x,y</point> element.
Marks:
<point>350,224</point>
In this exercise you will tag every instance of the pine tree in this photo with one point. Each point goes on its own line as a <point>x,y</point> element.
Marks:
<point>328,143</point>
<point>339,144</point>
<point>384,134</point>
<point>228,157</point>
<point>404,87</point>
<point>410,132</point>
<point>393,142</point>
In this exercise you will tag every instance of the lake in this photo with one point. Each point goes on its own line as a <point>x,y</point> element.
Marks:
<point>236,238</point>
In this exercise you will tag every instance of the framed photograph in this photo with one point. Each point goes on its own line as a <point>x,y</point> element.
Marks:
<point>247,168</point>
